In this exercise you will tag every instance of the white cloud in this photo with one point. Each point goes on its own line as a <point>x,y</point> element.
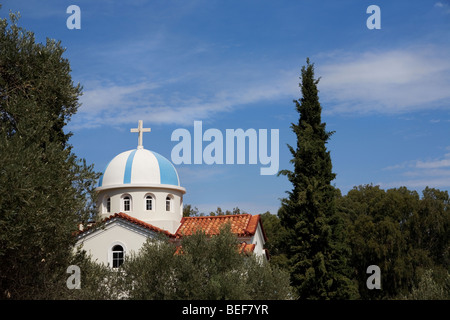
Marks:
<point>433,164</point>
<point>387,82</point>
<point>167,102</point>
<point>102,98</point>
<point>433,173</point>
<point>444,6</point>
<point>420,184</point>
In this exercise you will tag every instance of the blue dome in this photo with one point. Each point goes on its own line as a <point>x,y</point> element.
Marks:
<point>139,167</point>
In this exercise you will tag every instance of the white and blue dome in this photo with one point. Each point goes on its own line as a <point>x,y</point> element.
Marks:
<point>139,168</point>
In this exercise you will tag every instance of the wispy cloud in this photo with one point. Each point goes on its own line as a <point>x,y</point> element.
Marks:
<point>387,82</point>
<point>165,101</point>
<point>445,7</point>
<point>421,173</point>
<point>435,164</point>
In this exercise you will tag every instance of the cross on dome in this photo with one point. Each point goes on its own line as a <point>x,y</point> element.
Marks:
<point>140,130</point>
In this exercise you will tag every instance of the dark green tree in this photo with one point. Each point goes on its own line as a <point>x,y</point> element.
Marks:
<point>189,211</point>
<point>377,230</point>
<point>430,224</point>
<point>44,188</point>
<point>220,212</point>
<point>403,234</point>
<point>276,239</point>
<point>315,235</point>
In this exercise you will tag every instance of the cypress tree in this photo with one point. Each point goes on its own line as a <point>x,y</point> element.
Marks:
<point>314,232</point>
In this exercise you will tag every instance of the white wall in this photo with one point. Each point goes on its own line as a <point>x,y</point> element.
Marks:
<point>99,243</point>
<point>158,216</point>
<point>258,239</point>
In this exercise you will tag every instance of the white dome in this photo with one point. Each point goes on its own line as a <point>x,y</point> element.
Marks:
<point>139,168</point>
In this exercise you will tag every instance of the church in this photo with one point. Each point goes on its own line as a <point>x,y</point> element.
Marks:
<point>139,197</point>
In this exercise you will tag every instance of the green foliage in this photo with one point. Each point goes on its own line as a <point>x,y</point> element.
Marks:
<point>315,235</point>
<point>44,188</point>
<point>398,231</point>
<point>202,267</point>
<point>276,240</point>
<point>220,212</point>
<point>430,289</point>
<point>189,211</point>
<point>430,224</point>
<point>98,282</point>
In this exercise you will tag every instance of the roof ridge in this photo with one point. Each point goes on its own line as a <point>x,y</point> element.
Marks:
<point>257,221</point>
<point>142,223</point>
<point>220,216</point>
<point>246,227</point>
<point>252,224</point>
<point>129,218</point>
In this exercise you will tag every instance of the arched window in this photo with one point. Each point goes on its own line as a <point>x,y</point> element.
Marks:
<point>118,256</point>
<point>127,203</point>
<point>149,203</point>
<point>168,203</point>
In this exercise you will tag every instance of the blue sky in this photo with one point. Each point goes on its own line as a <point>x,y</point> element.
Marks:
<point>235,64</point>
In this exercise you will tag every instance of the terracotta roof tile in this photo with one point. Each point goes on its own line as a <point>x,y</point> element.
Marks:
<point>246,248</point>
<point>253,225</point>
<point>241,224</point>
<point>243,247</point>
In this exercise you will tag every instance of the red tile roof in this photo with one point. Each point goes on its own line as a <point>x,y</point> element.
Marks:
<point>243,248</point>
<point>241,224</point>
<point>246,248</point>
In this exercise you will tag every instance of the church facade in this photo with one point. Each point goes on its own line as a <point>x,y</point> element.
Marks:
<point>139,197</point>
